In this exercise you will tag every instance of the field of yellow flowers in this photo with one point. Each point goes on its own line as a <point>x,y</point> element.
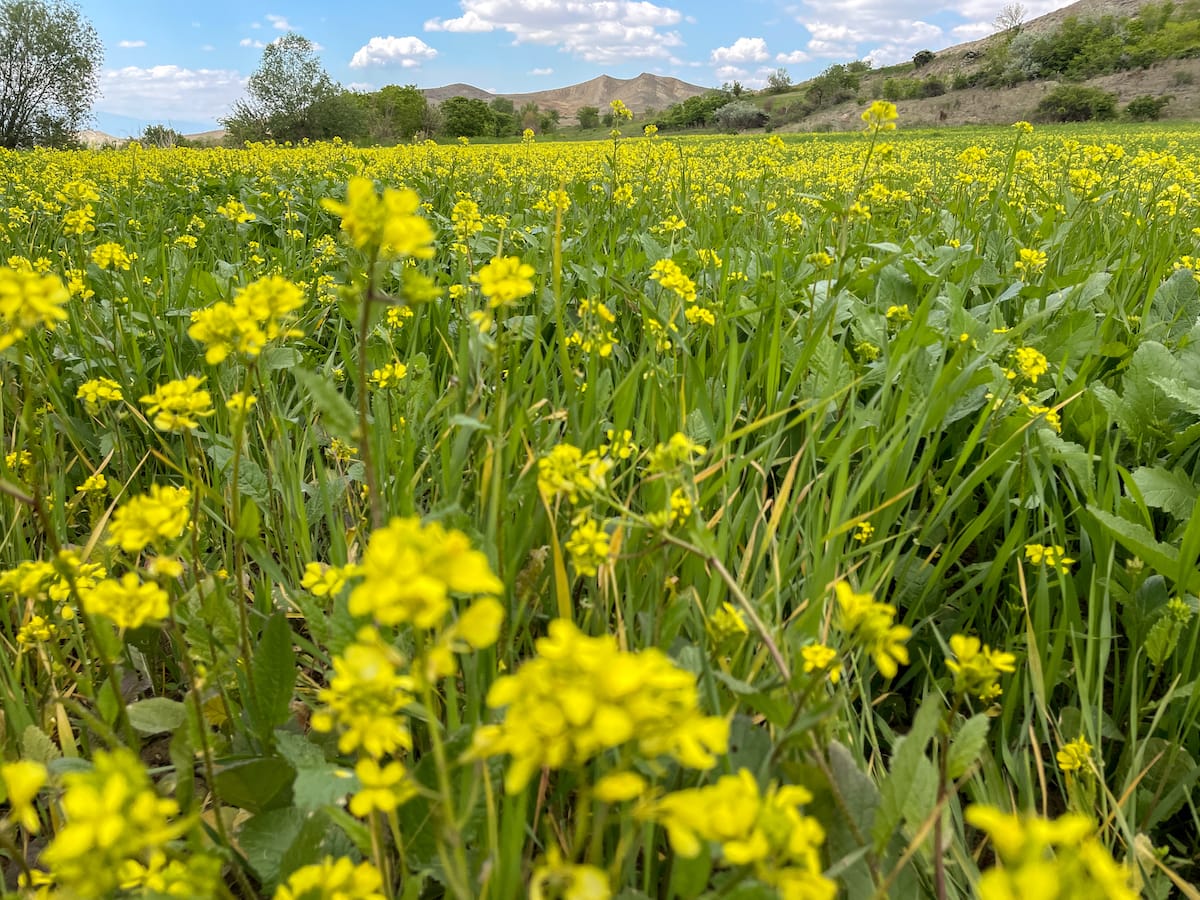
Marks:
<point>649,518</point>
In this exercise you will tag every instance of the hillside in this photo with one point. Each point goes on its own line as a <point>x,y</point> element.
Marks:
<point>1177,78</point>
<point>644,92</point>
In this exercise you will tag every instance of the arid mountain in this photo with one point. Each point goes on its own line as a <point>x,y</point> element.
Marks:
<point>639,94</point>
<point>1177,78</point>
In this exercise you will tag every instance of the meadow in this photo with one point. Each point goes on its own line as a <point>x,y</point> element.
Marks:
<point>710,517</point>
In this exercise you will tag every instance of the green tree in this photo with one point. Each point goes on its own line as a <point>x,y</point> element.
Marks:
<point>462,117</point>
<point>589,116</point>
<point>161,136</point>
<point>923,58</point>
<point>395,114</point>
<point>779,81</point>
<point>50,59</point>
<point>291,97</point>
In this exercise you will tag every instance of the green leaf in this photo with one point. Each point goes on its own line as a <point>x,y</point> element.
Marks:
<point>1161,557</point>
<point>318,782</point>
<point>966,745</point>
<point>1162,639</point>
<point>337,414</point>
<point>266,838</point>
<point>689,877</point>
<point>37,746</point>
<point>274,668</point>
<point>861,798</point>
<point>1166,489</point>
<point>274,358</point>
<point>156,715</point>
<point>256,785</point>
<point>899,791</point>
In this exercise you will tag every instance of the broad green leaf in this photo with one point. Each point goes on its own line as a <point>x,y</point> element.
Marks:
<point>156,715</point>
<point>966,745</point>
<point>337,415</point>
<point>689,877</point>
<point>256,785</point>
<point>265,839</point>
<point>274,668</point>
<point>1166,489</point>
<point>899,791</point>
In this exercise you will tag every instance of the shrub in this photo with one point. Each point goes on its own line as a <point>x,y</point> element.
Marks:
<point>1146,108</point>
<point>1076,103</point>
<point>739,115</point>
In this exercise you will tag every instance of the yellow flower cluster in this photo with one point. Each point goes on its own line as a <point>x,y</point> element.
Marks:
<point>504,281</point>
<point>179,405</point>
<point>881,115</point>
<point>1053,556</point>
<point>667,273</point>
<point>332,879</point>
<point>111,255</point>
<point>588,546</point>
<point>28,299</point>
<point>555,878</point>
<point>872,626</point>
<point>256,315</point>
<point>1060,858</point>
<point>410,569</point>
<point>1075,756</point>
<point>129,602</point>
<point>1031,363</point>
<point>977,667</point>
<point>96,391</point>
<point>766,831</point>
<point>387,224</point>
<point>112,816</point>
<point>582,695</point>
<point>1030,262</point>
<point>160,515</point>
<point>568,471</point>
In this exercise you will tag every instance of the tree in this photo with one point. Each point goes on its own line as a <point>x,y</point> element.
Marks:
<point>589,116</point>
<point>292,97</point>
<point>462,117</point>
<point>161,136</point>
<point>740,115</point>
<point>1011,18</point>
<point>779,81</point>
<point>50,59</point>
<point>923,58</point>
<point>395,113</point>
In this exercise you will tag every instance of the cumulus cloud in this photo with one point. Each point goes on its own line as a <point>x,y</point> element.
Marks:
<point>406,52</point>
<point>909,38</point>
<point>793,58</point>
<point>743,50</point>
<point>973,31</point>
<point>169,92</point>
<point>279,23</point>
<point>598,31</point>
<point>729,73</point>
<point>128,45</point>
<point>541,71</point>
<point>251,42</point>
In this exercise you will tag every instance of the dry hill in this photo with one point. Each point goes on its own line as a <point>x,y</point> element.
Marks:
<point>644,92</point>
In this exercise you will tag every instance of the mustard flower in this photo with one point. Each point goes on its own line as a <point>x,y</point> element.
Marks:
<point>668,274</point>
<point>111,814</point>
<point>97,391</point>
<point>160,515</point>
<point>129,603</point>
<point>871,626</point>
<point>568,471</point>
<point>678,451</point>
<point>504,281</point>
<point>364,698</point>
<point>410,569</point>
<point>383,787</point>
<point>1075,756</point>
<point>111,255</point>
<point>331,879</point>
<point>22,781</point>
<point>588,546</point>
<point>583,695</point>
<point>178,405</point>
<point>881,115</point>
<point>1030,262</point>
<point>820,658</point>
<point>1062,857</point>
<point>554,878</point>
<point>1031,363</point>
<point>727,622</point>
<point>1052,556</point>
<point>28,300</point>
<point>387,223</point>
<point>977,667</point>
<point>764,830</point>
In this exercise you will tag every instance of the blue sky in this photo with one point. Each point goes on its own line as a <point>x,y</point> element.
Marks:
<point>184,64</point>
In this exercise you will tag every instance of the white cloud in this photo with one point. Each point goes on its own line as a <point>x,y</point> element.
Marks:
<point>743,50</point>
<point>279,23</point>
<point>793,58</point>
<point>169,92</point>
<point>208,48</point>
<point>406,52</point>
<point>909,38</point>
<point>728,73</point>
<point>128,45</point>
<point>598,31</point>
<point>541,71</point>
<point>251,42</point>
